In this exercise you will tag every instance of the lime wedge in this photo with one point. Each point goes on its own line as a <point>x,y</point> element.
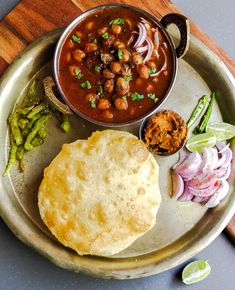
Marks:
<point>199,142</point>
<point>196,271</point>
<point>222,131</point>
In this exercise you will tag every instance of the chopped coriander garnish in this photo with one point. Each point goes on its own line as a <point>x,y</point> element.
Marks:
<point>95,41</point>
<point>77,73</point>
<point>100,91</point>
<point>124,98</point>
<point>92,103</point>
<point>152,70</point>
<point>105,35</point>
<point>120,53</point>
<point>117,21</point>
<point>128,78</point>
<point>136,97</point>
<point>153,97</point>
<point>86,84</point>
<point>96,68</point>
<point>76,38</point>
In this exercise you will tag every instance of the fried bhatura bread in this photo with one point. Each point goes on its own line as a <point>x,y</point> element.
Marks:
<point>99,195</point>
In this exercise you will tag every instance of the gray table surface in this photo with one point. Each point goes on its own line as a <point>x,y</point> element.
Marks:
<point>21,268</point>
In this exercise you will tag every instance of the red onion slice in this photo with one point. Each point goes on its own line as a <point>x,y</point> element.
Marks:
<point>142,35</point>
<point>209,159</point>
<point>223,172</point>
<point>177,185</point>
<point>205,192</point>
<point>219,195</point>
<point>203,180</point>
<point>190,166</point>
<point>201,199</point>
<point>157,42</point>
<point>150,49</point>
<point>164,64</point>
<point>182,156</point>
<point>142,49</point>
<point>186,196</point>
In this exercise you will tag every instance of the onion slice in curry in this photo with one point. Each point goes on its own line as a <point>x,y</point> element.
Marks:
<point>150,49</point>
<point>142,35</point>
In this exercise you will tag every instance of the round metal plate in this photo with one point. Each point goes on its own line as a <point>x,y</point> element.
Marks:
<point>182,229</point>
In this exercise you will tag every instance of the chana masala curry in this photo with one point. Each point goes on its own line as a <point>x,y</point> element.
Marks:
<point>115,66</point>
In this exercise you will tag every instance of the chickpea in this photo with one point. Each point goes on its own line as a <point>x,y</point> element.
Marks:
<point>89,25</point>
<point>116,28</point>
<point>108,86</point>
<point>150,88</point>
<point>137,58</point>
<point>79,55</point>
<point>72,69</point>
<point>126,70</point>
<point>107,115</point>
<point>70,44</point>
<point>103,104</point>
<point>121,104</point>
<point>132,111</point>
<point>151,64</point>
<point>79,34</point>
<point>115,66</point>
<point>143,71</point>
<point>90,98</point>
<point>90,47</point>
<point>68,57</point>
<point>108,74</point>
<point>126,55</point>
<point>102,30</point>
<point>121,86</point>
<point>118,44</point>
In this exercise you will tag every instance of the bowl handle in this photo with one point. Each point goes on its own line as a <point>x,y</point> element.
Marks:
<point>183,25</point>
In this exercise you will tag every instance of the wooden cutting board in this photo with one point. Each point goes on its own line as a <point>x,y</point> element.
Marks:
<point>30,19</point>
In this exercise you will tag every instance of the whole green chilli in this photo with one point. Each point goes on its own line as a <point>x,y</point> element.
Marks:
<point>201,128</point>
<point>198,110</point>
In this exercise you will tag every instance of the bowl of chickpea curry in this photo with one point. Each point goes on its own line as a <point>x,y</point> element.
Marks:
<point>114,65</point>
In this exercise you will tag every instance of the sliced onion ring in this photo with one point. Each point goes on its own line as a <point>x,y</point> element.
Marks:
<point>190,166</point>
<point>150,50</point>
<point>177,185</point>
<point>142,35</point>
<point>219,195</point>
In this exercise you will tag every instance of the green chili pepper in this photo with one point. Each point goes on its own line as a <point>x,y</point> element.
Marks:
<point>205,119</point>
<point>38,124</point>
<point>37,141</point>
<point>37,109</point>
<point>66,126</point>
<point>198,110</point>
<point>23,122</point>
<point>12,156</point>
<point>20,155</point>
<point>15,129</point>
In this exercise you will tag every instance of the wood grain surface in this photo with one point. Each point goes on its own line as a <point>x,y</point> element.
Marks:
<point>30,19</point>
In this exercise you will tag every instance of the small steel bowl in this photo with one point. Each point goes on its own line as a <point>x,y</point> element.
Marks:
<point>179,20</point>
<point>141,137</point>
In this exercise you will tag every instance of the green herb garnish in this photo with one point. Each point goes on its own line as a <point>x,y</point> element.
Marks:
<point>153,97</point>
<point>120,53</point>
<point>117,21</point>
<point>128,78</point>
<point>136,97</point>
<point>78,74</point>
<point>92,103</point>
<point>124,98</point>
<point>76,38</point>
<point>105,35</point>
<point>86,84</point>
<point>95,41</point>
<point>96,68</point>
<point>100,91</point>
<point>152,71</point>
